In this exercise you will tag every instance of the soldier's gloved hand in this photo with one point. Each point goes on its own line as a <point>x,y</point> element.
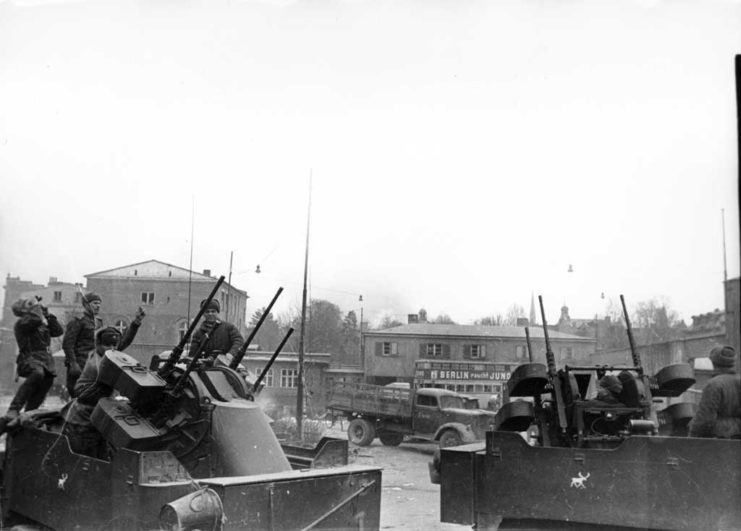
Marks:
<point>74,370</point>
<point>140,314</point>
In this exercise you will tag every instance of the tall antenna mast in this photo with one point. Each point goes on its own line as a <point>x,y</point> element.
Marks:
<point>229,287</point>
<point>723,221</point>
<point>300,388</point>
<point>190,266</point>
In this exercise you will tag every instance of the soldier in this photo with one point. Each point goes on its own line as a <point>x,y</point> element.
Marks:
<point>83,437</point>
<point>33,332</point>
<point>719,411</point>
<point>79,337</point>
<point>219,337</point>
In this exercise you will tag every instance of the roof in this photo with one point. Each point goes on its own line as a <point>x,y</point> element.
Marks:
<point>309,357</point>
<point>157,270</point>
<point>490,332</point>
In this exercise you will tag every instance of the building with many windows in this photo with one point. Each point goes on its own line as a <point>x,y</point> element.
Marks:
<point>278,396</point>
<point>170,296</point>
<point>62,299</point>
<point>394,354</point>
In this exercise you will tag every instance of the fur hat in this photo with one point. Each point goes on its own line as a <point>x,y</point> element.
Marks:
<point>108,336</point>
<point>214,304</point>
<point>723,356</point>
<point>611,383</point>
<point>90,297</point>
<point>22,306</point>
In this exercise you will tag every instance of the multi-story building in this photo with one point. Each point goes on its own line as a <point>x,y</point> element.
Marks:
<point>170,296</point>
<point>733,316</point>
<point>392,354</point>
<point>62,299</point>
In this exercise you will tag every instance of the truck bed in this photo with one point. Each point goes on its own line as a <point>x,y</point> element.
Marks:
<point>371,400</point>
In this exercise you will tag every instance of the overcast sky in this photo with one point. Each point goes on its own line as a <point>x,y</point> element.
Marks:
<point>463,153</point>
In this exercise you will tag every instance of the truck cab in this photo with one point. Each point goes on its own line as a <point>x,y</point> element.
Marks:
<point>446,416</point>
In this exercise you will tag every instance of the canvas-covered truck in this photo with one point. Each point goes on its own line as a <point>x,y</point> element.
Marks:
<point>394,413</point>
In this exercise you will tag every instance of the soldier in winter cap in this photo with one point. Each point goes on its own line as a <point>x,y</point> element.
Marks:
<point>215,337</point>
<point>719,411</point>
<point>79,336</point>
<point>33,332</point>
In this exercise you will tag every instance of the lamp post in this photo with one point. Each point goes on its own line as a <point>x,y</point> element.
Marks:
<point>362,356</point>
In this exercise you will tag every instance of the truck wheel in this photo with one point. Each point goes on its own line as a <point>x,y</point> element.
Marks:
<point>361,432</point>
<point>391,438</point>
<point>449,438</point>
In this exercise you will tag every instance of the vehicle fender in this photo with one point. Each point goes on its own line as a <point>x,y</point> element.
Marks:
<point>465,431</point>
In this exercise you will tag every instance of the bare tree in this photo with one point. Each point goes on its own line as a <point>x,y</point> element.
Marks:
<point>443,318</point>
<point>514,312</point>
<point>388,321</point>
<point>490,320</point>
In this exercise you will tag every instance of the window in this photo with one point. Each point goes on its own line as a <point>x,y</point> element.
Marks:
<point>390,349</point>
<point>478,352</point>
<point>425,400</point>
<point>567,353</point>
<point>148,297</point>
<point>289,377</point>
<point>121,325</point>
<point>269,381</point>
<point>78,296</point>
<point>182,329</point>
<point>521,352</point>
<point>57,296</point>
<point>434,350</point>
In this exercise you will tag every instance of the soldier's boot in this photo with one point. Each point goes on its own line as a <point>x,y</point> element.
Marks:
<point>10,419</point>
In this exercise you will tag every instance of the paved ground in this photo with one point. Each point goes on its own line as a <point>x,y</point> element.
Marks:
<point>408,500</point>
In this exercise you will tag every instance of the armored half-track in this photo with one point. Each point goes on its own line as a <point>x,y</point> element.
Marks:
<point>559,458</point>
<point>203,457</point>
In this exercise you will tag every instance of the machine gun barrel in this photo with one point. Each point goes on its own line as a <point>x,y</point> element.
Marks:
<point>633,350</point>
<point>529,346</point>
<point>549,357</point>
<point>178,350</point>
<point>256,386</point>
<point>553,373</point>
<point>243,349</point>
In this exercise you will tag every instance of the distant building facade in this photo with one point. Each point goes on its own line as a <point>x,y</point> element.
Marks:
<point>732,318</point>
<point>62,299</point>
<point>168,294</point>
<point>392,354</point>
<point>279,395</point>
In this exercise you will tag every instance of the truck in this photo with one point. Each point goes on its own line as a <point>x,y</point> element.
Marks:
<point>393,413</point>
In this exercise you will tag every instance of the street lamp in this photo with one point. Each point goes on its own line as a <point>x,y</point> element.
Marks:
<point>362,357</point>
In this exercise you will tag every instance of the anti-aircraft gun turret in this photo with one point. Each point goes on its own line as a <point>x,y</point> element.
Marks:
<point>595,463</point>
<point>191,450</point>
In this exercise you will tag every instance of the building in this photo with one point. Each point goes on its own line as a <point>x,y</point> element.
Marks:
<point>62,299</point>
<point>390,354</point>
<point>169,295</point>
<point>278,397</point>
<point>733,316</point>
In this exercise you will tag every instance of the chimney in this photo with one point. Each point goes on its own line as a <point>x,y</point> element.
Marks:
<point>53,280</point>
<point>412,318</point>
<point>207,272</point>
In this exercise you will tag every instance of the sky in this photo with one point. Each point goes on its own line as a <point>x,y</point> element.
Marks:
<point>456,156</point>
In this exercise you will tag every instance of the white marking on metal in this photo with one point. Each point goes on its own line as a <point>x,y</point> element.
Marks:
<point>579,482</point>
